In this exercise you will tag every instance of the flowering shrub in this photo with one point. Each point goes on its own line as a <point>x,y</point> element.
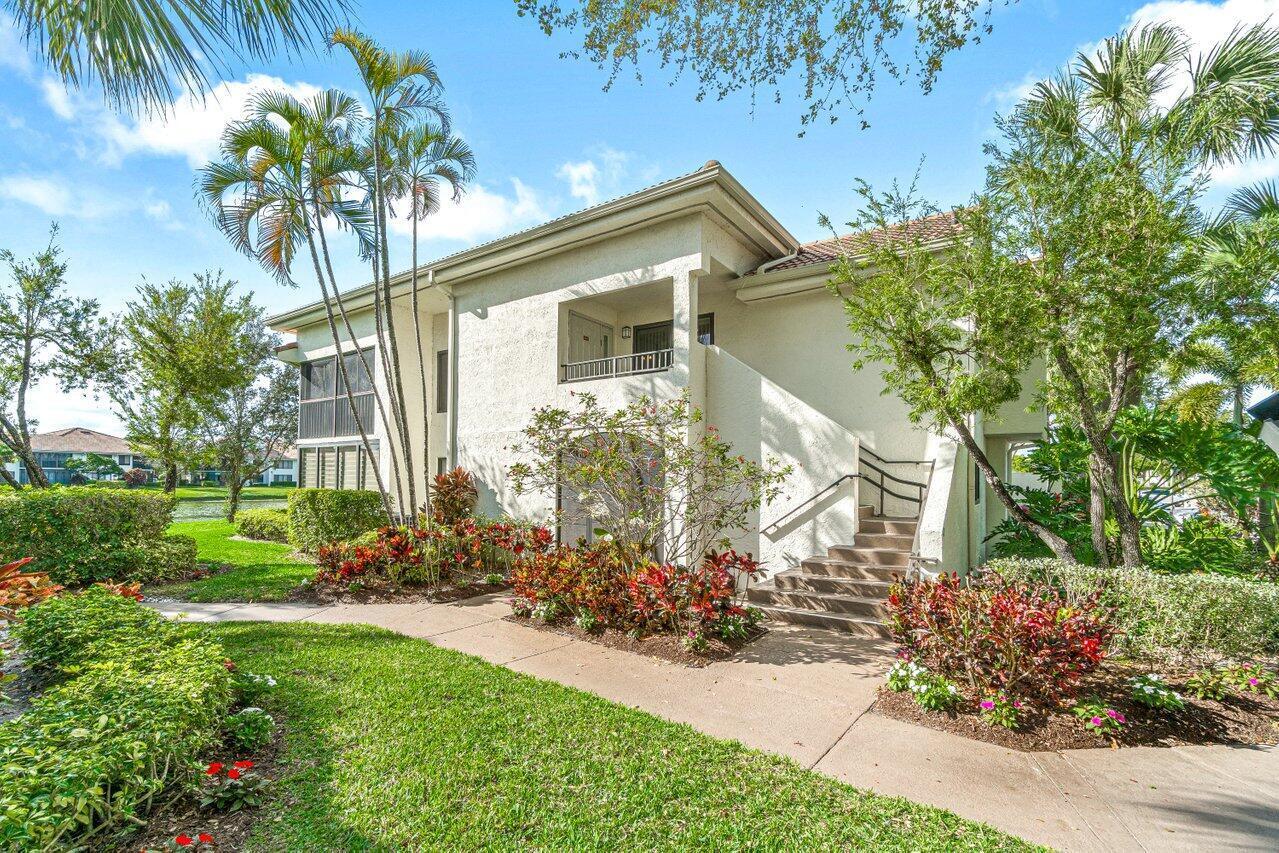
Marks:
<point>250,728</point>
<point>999,709</point>
<point>1210,684</point>
<point>934,692</point>
<point>1100,718</point>
<point>1251,678</point>
<point>997,635</point>
<point>185,841</point>
<point>1150,690</point>
<point>136,477</point>
<point>579,580</point>
<point>20,589</point>
<point>902,673</point>
<point>681,599</point>
<point>229,789</point>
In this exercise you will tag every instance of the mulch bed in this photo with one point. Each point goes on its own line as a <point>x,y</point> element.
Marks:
<point>182,812</point>
<point>374,593</point>
<point>665,647</point>
<point>1241,719</point>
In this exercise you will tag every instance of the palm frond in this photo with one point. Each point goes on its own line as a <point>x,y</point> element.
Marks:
<point>145,52</point>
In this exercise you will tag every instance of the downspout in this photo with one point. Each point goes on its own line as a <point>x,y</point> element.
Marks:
<point>768,265</point>
<point>451,414</point>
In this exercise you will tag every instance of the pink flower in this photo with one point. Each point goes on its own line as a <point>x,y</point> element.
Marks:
<point>1112,713</point>
<point>1121,719</point>
<point>1252,681</point>
<point>987,705</point>
<point>1096,721</point>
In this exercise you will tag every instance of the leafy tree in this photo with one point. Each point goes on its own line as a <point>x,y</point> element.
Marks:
<point>44,335</point>
<point>946,328</point>
<point>185,345</point>
<point>252,424</point>
<point>841,46</point>
<point>639,479</point>
<point>95,463</point>
<point>1096,181</point>
<point>142,50</point>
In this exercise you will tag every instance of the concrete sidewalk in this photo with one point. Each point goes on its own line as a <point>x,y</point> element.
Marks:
<point>806,693</point>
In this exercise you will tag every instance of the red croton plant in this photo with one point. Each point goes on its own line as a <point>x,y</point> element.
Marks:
<point>997,635</point>
<point>20,589</point>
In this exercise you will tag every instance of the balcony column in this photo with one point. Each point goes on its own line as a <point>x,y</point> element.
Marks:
<point>688,356</point>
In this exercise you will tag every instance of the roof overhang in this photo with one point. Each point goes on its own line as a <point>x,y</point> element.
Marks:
<point>710,190</point>
<point>792,281</point>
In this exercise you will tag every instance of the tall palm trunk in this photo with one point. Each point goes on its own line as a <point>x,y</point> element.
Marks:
<point>341,363</point>
<point>381,245</point>
<point>364,362</point>
<point>421,369</point>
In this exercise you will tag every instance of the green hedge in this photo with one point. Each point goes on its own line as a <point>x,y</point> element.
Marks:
<point>144,699</point>
<point>320,516</point>
<point>268,525</point>
<point>83,534</point>
<point>1195,616</point>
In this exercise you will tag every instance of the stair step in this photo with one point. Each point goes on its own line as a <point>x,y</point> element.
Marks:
<point>865,511</point>
<point>794,579</point>
<point>870,556</point>
<point>893,541</point>
<point>860,625</point>
<point>823,602</point>
<point>837,568</point>
<point>884,524</point>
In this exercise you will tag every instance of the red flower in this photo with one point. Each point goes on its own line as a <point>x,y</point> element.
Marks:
<point>184,840</point>
<point>229,664</point>
<point>205,838</point>
<point>243,764</point>
<point>213,769</point>
<point>233,773</point>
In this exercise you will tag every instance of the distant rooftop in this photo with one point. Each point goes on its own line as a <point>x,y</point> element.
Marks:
<point>79,440</point>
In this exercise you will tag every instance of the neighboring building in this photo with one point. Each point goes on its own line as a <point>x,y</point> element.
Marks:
<point>283,471</point>
<point>54,449</point>
<point>1267,411</point>
<point>689,284</point>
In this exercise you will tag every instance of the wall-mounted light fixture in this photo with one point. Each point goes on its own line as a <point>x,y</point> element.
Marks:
<point>626,332</point>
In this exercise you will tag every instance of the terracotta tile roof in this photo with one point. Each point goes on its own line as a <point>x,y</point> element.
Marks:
<point>78,440</point>
<point>927,228</point>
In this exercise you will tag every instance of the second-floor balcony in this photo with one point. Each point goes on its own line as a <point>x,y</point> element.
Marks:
<point>617,365</point>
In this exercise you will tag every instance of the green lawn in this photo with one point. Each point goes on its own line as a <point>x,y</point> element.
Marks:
<point>262,571</point>
<point>395,744</point>
<point>218,493</point>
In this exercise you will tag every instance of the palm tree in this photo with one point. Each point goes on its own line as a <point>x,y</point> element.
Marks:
<point>403,88</point>
<point>285,168</point>
<point>142,50</point>
<point>1238,349</point>
<point>426,157</point>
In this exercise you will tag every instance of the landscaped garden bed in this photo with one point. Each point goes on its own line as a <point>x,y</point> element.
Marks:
<point>1044,655</point>
<point>668,647</point>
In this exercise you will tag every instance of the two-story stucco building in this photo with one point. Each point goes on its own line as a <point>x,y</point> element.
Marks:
<point>689,284</point>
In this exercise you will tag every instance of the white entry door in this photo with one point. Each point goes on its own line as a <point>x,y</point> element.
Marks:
<point>588,339</point>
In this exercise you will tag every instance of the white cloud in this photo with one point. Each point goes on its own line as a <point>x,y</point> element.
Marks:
<point>1010,94</point>
<point>55,197</point>
<point>481,214</point>
<point>13,53</point>
<point>583,180</point>
<point>605,173</point>
<point>191,126</point>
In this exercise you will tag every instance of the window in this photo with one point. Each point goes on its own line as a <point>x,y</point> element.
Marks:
<point>325,411</point>
<point>284,464</point>
<point>442,381</point>
<point>442,465</point>
<point>706,329</point>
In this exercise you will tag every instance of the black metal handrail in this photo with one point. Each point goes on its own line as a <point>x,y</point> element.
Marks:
<point>883,475</point>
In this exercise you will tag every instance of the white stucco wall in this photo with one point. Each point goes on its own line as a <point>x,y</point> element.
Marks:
<point>763,421</point>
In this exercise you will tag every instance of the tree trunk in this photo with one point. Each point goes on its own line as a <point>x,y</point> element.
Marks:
<point>1058,545</point>
<point>9,478</point>
<point>1103,458</point>
<point>234,485</point>
<point>1097,517</point>
<point>426,397</point>
<point>35,474</point>
<point>1237,405</point>
<point>170,477</point>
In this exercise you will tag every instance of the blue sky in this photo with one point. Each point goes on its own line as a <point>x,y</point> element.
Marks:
<point>547,139</point>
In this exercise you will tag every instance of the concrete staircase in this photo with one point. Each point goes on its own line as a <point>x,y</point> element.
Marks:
<point>845,589</point>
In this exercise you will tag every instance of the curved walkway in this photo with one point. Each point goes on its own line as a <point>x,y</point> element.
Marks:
<point>806,693</point>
